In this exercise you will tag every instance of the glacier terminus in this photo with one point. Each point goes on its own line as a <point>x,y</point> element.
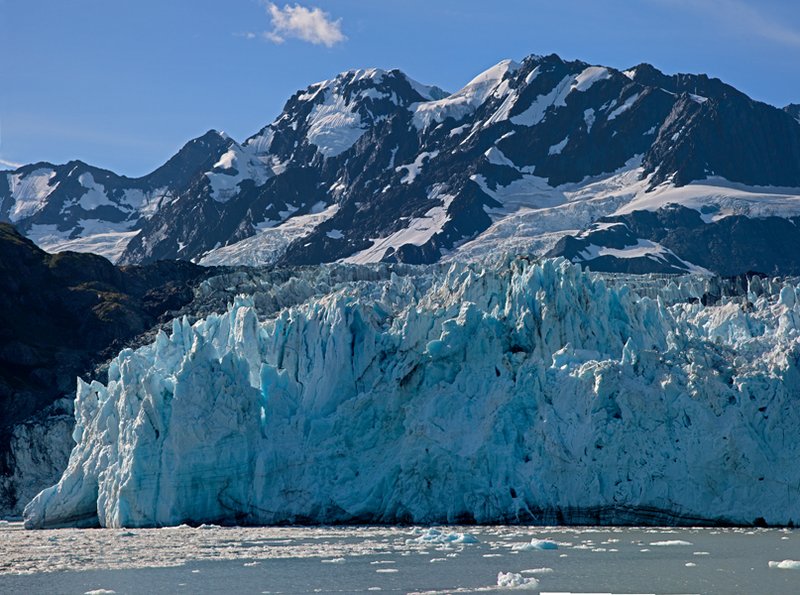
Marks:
<point>515,390</point>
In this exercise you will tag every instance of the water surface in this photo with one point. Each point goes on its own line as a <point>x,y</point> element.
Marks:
<point>396,560</point>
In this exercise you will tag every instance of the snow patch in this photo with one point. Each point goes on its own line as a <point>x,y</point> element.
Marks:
<point>535,112</point>
<point>98,237</point>
<point>418,232</point>
<point>269,243</point>
<point>589,119</point>
<point>413,169</point>
<point>234,167</point>
<point>590,76</point>
<point>465,101</point>
<point>30,192</point>
<point>95,195</point>
<point>332,126</point>
<point>624,107</point>
<point>557,148</point>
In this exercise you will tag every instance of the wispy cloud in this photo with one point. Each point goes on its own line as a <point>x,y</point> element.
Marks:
<point>744,18</point>
<point>9,164</point>
<point>309,24</point>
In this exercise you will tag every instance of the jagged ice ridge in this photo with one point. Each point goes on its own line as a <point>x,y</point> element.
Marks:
<point>515,391</point>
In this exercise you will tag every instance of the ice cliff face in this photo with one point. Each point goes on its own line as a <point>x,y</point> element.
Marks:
<point>516,392</point>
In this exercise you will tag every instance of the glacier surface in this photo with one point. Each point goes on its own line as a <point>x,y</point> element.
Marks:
<point>512,391</point>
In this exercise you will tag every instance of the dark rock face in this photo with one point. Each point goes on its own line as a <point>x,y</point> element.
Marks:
<point>392,155</point>
<point>793,109</point>
<point>730,136</point>
<point>729,246</point>
<point>60,314</point>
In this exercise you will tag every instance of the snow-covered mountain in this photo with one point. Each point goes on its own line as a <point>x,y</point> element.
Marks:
<point>372,166</point>
<point>513,392</point>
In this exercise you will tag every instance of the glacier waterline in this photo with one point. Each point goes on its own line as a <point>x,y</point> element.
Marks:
<point>518,391</point>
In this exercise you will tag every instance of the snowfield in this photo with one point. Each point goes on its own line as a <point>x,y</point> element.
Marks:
<point>517,391</point>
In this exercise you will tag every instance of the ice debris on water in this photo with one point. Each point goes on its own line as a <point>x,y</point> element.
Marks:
<point>535,544</point>
<point>437,536</point>
<point>435,394</point>
<point>514,580</point>
<point>785,564</point>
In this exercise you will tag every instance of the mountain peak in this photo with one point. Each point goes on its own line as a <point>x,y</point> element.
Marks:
<point>371,165</point>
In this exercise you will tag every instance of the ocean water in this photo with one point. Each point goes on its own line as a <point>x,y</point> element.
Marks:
<point>500,559</point>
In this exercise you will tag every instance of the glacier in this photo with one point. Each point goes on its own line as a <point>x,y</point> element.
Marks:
<point>510,391</point>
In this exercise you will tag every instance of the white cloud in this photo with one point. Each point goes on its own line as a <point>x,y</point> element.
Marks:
<point>744,18</point>
<point>308,24</point>
<point>9,164</point>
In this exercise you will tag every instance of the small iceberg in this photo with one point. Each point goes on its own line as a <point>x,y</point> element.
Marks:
<point>535,544</point>
<point>513,580</point>
<point>436,536</point>
<point>785,564</point>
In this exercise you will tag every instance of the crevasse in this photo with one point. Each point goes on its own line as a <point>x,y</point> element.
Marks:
<point>515,391</point>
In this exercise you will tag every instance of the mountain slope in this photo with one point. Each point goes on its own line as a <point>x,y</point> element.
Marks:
<point>371,166</point>
<point>61,314</point>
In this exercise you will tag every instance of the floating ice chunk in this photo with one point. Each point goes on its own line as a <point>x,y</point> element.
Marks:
<point>436,536</point>
<point>333,561</point>
<point>99,592</point>
<point>543,570</point>
<point>386,570</point>
<point>535,544</point>
<point>701,553</point>
<point>690,564</point>
<point>670,542</point>
<point>785,564</point>
<point>514,580</point>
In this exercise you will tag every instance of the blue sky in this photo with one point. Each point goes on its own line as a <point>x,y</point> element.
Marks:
<point>122,84</point>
